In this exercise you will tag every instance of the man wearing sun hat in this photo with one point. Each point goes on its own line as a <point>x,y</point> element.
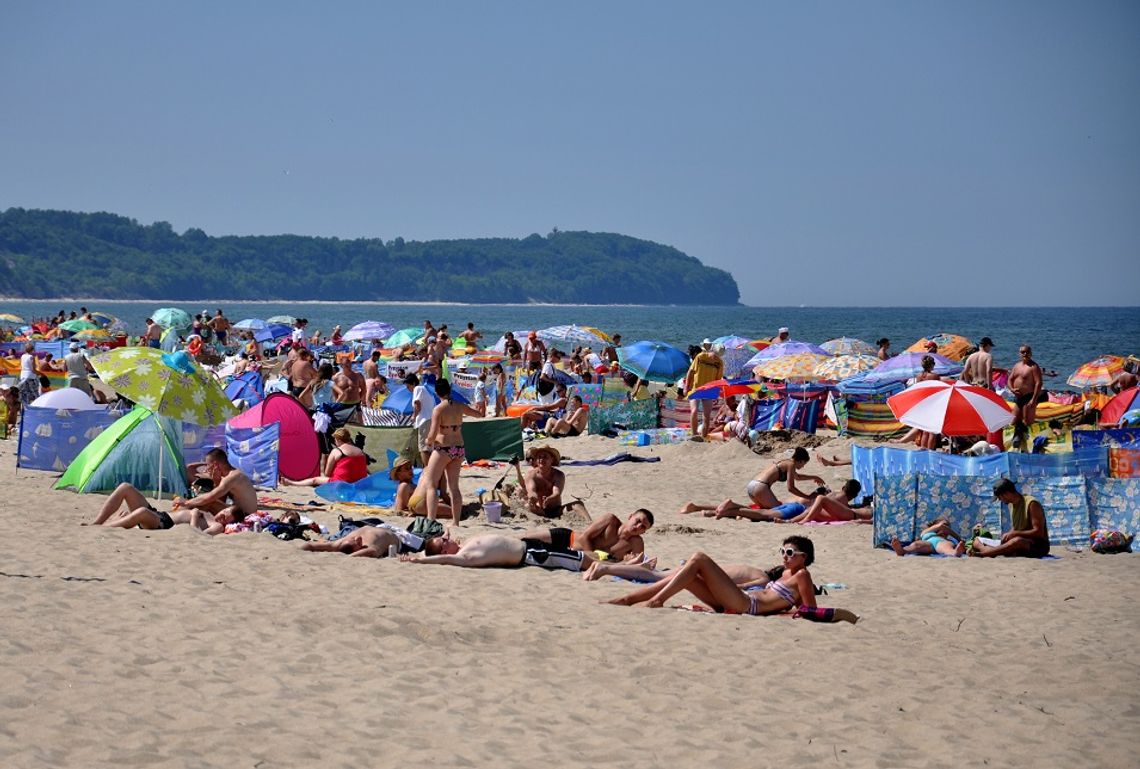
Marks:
<point>544,482</point>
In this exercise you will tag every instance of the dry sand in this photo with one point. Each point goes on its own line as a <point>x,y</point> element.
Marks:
<point>171,649</point>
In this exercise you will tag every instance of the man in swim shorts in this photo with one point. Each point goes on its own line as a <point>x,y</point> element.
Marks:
<point>607,534</point>
<point>1025,384</point>
<point>498,551</point>
<point>1029,535</point>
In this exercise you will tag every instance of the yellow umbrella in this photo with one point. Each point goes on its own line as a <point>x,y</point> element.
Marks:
<point>93,335</point>
<point>844,366</point>
<point>799,366</point>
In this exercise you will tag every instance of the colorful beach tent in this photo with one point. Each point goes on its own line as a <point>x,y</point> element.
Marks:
<point>140,448</point>
<point>300,453</point>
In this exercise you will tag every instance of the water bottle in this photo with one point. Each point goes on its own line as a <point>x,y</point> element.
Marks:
<point>393,551</point>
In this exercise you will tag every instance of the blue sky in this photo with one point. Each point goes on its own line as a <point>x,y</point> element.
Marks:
<point>824,153</point>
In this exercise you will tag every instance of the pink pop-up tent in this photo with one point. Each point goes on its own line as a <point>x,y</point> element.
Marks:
<point>300,454</point>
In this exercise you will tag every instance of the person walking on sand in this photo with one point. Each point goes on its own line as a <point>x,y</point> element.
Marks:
<point>706,367</point>
<point>1025,382</point>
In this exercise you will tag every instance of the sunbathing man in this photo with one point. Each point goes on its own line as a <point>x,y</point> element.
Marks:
<point>377,542</point>
<point>759,489</point>
<point>228,482</point>
<point>544,483</point>
<point>348,385</point>
<point>1029,536</point>
<point>607,535</point>
<point>373,381</point>
<point>496,550</point>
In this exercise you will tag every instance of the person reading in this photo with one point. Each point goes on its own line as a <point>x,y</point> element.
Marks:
<point>1029,535</point>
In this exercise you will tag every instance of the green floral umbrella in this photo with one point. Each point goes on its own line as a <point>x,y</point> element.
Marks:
<point>169,384</point>
<point>172,317</point>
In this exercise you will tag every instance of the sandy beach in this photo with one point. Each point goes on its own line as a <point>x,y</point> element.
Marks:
<point>172,649</point>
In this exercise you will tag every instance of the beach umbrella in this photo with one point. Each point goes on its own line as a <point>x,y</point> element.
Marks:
<point>501,345</point>
<point>845,366</point>
<point>800,365</point>
<point>733,342</point>
<point>722,388</point>
<point>1114,410</point>
<point>270,332</point>
<point>652,360</point>
<point>93,335</point>
<point>77,325</point>
<point>103,319</point>
<point>170,384</point>
<point>951,409</point>
<point>171,317</point>
<point>950,346</point>
<point>369,330</point>
<point>760,344</point>
<point>7,317</point>
<point>572,335</point>
<point>780,349</point>
<point>858,385</point>
<point>251,324</point>
<point>908,365</point>
<point>287,320</point>
<point>845,345</point>
<point>1097,373</point>
<point>405,336</point>
<point>400,399</point>
<point>69,398</point>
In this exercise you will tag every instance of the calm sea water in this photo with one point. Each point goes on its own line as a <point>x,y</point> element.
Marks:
<point>1062,338</point>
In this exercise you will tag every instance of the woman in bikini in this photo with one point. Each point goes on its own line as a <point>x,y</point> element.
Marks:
<point>759,491</point>
<point>938,538</point>
<point>791,590</point>
<point>445,437</point>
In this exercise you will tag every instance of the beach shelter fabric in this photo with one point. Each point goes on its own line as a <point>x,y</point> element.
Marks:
<point>51,439</point>
<point>139,448</point>
<point>499,439</point>
<point>255,451</point>
<point>249,387</point>
<point>300,451</point>
<point>867,418</point>
<point>379,441</point>
<point>1125,401</point>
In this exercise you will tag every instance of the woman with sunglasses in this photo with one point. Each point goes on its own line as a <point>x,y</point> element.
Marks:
<point>791,590</point>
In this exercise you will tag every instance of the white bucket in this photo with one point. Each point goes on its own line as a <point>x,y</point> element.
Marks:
<point>493,511</point>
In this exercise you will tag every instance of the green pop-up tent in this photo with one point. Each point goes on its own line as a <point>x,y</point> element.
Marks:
<point>141,448</point>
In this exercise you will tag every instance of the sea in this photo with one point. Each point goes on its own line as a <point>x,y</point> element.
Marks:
<point>1062,338</point>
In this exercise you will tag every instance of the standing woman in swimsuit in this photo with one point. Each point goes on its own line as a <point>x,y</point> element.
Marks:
<point>445,436</point>
<point>791,590</point>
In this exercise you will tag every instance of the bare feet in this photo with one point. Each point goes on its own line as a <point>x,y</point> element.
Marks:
<point>690,507</point>
<point>597,570</point>
<point>897,546</point>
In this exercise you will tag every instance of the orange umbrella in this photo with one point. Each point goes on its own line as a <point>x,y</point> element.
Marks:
<point>949,346</point>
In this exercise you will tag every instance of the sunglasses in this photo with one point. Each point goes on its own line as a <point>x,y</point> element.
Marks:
<point>788,552</point>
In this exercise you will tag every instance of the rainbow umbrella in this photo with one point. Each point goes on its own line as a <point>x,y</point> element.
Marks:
<point>722,388</point>
<point>845,366</point>
<point>799,365</point>
<point>760,344</point>
<point>845,345</point>
<point>950,346</point>
<point>1097,373</point>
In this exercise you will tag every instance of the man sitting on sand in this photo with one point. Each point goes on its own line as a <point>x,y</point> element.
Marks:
<point>607,534</point>
<point>1029,536</point>
<point>573,423</point>
<point>544,482</point>
<point>233,494</point>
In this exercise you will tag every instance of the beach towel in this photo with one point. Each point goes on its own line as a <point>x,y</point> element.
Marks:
<point>612,459</point>
<point>766,414</point>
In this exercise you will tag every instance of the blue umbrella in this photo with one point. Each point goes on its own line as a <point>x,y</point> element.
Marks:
<point>400,400</point>
<point>369,330</point>
<point>653,360</point>
<point>271,332</point>
<point>909,364</point>
<point>780,349</point>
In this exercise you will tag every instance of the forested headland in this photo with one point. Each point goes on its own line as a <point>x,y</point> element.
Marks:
<point>47,254</point>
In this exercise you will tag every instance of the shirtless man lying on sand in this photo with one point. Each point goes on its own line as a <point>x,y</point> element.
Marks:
<point>607,534</point>
<point>496,550</point>
<point>233,495</point>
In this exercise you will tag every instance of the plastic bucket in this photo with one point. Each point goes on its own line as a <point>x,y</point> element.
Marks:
<point>493,511</point>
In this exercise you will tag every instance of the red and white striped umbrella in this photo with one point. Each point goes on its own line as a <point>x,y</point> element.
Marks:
<point>951,409</point>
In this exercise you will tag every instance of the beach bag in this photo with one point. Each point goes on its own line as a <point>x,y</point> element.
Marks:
<point>1109,541</point>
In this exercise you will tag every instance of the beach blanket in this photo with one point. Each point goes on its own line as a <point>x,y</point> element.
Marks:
<point>383,417</point>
